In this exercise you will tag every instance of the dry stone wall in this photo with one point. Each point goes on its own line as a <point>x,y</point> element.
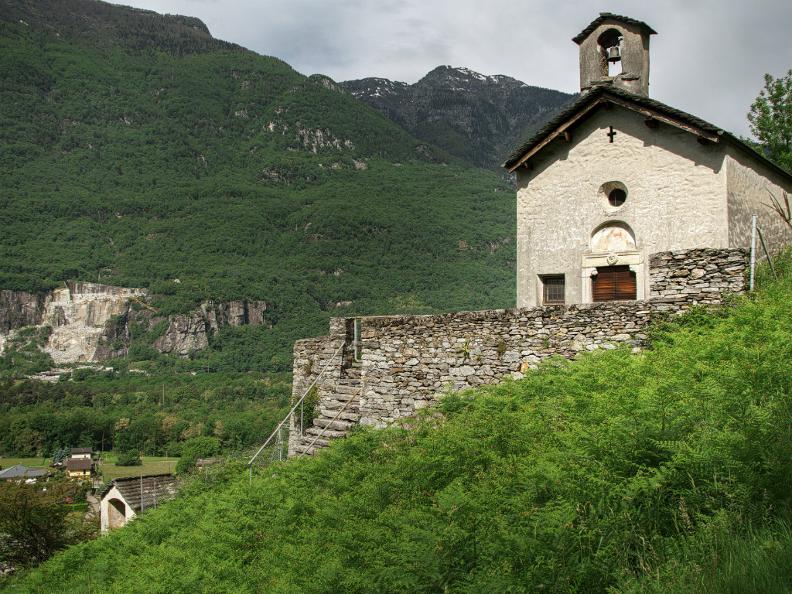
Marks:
<point>399,364</point>
<point>700,276</point>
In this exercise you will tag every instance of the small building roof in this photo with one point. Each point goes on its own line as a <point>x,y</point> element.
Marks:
<point>142,492</point>
<point>79,464</point>
<point>18,471</point>
<point>73,451</point>
<point>587,102</point>
<point>605,16</point>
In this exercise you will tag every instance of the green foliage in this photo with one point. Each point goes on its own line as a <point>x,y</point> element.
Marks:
<point>771,119</point>
<point>721,560</point>
<point>618,471</point>
<point>128,458</point>
<point>34,522</point>
<point>194,448</point>
<point>127,411</point>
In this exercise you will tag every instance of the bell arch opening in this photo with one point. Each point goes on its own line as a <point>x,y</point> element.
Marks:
<point>609,46</point>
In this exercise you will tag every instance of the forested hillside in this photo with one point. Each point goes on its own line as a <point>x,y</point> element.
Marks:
<point>668,471</point>
<point>135,150</point>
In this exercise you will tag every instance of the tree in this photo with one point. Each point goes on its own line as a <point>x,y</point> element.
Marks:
<point>34,522</point>
<point>194,448</point>
<point>771,119</point>
<point>128,458</point>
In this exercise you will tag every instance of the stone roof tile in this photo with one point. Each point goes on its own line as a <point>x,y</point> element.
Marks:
<point>641,101</point>
<point>604,16</point>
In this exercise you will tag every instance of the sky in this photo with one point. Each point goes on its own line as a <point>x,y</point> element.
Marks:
<point>708,58</point>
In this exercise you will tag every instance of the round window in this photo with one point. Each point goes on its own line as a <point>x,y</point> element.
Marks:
<point>613,194</point>
<point>616,197</point>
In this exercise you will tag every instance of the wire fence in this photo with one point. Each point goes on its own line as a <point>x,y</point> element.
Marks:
<point>275,448</point>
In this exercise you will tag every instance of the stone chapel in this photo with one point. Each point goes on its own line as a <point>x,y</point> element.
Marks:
<point>628,211</point>
<point>618,176</point>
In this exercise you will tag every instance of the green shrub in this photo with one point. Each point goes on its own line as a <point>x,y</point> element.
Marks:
<point>128,458</point>
<point>197,447</point>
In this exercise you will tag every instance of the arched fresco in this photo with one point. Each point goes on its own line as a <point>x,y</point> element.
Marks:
<point>613,236</point>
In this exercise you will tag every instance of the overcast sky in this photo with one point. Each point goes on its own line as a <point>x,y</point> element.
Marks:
<point>708,58</point>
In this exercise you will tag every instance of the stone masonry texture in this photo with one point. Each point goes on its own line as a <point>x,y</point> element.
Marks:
<point>401,364</point>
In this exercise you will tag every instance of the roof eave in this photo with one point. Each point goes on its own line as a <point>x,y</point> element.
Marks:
<point>584,106</point>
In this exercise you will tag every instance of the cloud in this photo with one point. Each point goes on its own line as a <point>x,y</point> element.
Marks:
<point>708,58</point>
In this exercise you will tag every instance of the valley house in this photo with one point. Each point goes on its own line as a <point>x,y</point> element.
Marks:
<point>618,176</point>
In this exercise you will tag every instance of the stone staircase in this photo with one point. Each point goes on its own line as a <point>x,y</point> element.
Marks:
<point>339,411</point>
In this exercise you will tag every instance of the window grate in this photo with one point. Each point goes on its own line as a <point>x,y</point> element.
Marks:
<point>553,289</point>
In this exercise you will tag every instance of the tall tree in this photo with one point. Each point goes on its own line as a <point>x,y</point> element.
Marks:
<point>771,118</point>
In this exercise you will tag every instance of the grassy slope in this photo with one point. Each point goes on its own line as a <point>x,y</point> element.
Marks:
<point>140,166</point>
<point>665,471</point>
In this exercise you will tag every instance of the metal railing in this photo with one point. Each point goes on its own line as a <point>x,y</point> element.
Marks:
<point>276,434</point>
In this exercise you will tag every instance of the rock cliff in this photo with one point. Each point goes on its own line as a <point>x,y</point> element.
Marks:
<point>91,322</point>
<point>78,315</point>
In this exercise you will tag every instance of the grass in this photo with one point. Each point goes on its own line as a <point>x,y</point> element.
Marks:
<point>151,465</point>
<point>6,462</point>
<point>108,469</point>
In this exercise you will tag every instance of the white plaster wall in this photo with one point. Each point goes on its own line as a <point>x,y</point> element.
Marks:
<point>749,186</point>
<point>676,198</point>
<point>104,512</point>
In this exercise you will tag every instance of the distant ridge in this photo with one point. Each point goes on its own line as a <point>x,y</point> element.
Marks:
<point>474,116</point>
<point>105,25</point>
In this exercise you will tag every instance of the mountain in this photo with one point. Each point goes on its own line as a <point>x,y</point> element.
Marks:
<point>138,151</point>
<point>475,117</point>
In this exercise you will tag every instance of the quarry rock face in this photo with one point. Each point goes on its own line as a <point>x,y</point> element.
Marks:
<point>188,333</point>
<point>78,314</point>
<point>90,322</point>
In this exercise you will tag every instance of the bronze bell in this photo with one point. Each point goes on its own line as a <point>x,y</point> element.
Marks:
<point>614,55</point>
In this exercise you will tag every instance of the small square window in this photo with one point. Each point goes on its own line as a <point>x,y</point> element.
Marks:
<point>553,287</point>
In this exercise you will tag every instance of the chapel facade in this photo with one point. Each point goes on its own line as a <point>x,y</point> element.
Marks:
<point>617,176</point>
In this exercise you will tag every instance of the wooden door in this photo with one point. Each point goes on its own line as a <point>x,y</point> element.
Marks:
<point>613,283</point>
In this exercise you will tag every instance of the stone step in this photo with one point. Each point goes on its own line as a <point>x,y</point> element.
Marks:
<point>342,396</point>
<point>321,442</point>
<point>350,414</point>
<point>325,433</point>
<point>330,409</point>
<point>329,423</point>
<point>333,406</point>
<point>304,449</point>
<point>346,389</point>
